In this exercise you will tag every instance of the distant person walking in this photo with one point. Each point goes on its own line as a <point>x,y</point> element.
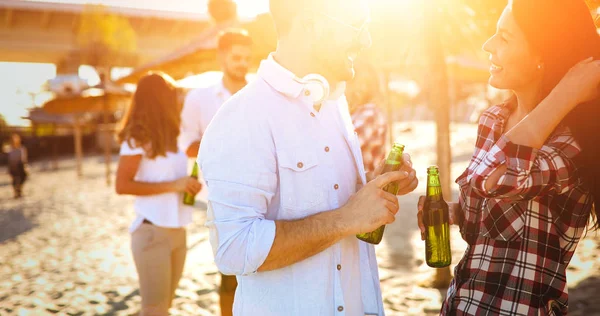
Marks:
<point>152,168</point>
<point>17,165</point>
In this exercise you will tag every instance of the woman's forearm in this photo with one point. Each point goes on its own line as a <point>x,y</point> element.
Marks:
<point>144,188</point>
<point>533,130</point>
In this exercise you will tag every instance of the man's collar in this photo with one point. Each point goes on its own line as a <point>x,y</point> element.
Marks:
<point>220,90</point>
<point>288,84</point>
<point>278,77</point>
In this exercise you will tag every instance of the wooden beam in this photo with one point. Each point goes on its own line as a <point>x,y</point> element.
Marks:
<point>146,23</point>
<point>75,23</point>
<point>78,146</point>
<point>8,18</point>
<point>54,148</point>
<point>45,20</point>
<point>176,27</point>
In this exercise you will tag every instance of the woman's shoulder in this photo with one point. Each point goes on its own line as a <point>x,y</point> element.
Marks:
<point>496,110</point>
<point>129,148</point>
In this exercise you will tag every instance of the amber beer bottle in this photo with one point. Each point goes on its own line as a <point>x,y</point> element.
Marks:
<point>189,199</point>
<point>392,163</point>
<point>436,220</point>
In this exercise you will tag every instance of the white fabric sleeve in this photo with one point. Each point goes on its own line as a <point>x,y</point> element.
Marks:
<point>190,120</point>
<point>127,150</point>
<point>238,162</point>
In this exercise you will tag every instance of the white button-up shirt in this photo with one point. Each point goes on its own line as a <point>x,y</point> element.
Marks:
<point>199,107</point>
<point>165,209</point>
<point>269,155</point>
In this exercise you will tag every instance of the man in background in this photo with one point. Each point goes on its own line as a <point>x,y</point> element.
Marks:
<point>234,52</point>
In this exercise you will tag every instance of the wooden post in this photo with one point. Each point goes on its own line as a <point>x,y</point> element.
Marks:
<point>78,150</point>
<point>106,136</point>
<point>54,148</point>
<point>439,101</point>
<point>439,93</point>
<point>388,101</point>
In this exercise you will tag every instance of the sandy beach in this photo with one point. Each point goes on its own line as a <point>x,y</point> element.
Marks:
<point>65,246</point>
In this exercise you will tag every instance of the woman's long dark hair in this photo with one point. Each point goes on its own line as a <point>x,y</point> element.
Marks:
<point>563,33</point>
<point>153,117</point>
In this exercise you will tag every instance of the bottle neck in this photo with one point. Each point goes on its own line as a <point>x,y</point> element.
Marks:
<point>434,189</point>
<point>395,155</point>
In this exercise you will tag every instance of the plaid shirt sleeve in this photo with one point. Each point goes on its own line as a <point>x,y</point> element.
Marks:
<point>370,124</point>
<point>530,172</point>
<point>522,233</point>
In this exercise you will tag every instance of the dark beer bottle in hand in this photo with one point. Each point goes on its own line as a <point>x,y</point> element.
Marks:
<point>189,199</point>
<point>437,223</point>
<point>392,163</point>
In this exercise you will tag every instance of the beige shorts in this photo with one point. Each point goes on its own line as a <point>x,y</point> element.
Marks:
<point>159,255</point>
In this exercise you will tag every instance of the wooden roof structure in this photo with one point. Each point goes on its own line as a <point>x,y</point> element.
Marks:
<point>200,55</point>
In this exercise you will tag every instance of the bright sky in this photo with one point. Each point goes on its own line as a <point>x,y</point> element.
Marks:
<point>246,8</point>
<point>19,80</point>
<point>20,84</point>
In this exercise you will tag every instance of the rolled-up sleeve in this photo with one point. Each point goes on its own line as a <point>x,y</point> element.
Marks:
<point>529,172</point>
<point>238,162</point>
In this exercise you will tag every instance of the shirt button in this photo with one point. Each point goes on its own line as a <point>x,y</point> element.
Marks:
<point>327,149</point>
<point>339,267</point>
<point>312,114</point>
<point>336,186</point>
<point>340,308</point>
<point>300,165</point>
<point>307,93</point>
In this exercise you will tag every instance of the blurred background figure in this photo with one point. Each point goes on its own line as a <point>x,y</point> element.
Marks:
<point>152,168</point>
<point>17,164</point>
<point>234,53</point>
<point>364,95</point>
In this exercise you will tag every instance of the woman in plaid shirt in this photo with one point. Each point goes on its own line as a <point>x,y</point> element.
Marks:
<point>528,192</point>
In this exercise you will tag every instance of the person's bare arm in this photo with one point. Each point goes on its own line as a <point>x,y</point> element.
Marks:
<point>367,210</point>
<point>578,86</point>
<point>126,184</point>
<point>304,238</point>
<point>192,150</point>
<point>533,130</point>
<point>25,156</point>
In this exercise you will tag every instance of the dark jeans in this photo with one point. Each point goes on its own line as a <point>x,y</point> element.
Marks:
<point>19,175</point>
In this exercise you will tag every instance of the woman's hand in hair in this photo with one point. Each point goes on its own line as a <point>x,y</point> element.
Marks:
<point>188,185</point>
<point>581,83</point>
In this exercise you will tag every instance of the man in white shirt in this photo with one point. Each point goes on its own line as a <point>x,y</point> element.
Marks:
<point>286,182</point>
<point>234,52</point>
<point>201,105</point>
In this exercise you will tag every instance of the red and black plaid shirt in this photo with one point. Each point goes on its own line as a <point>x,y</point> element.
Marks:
<point>522,234</point>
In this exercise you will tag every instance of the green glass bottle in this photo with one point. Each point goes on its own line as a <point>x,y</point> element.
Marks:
<point>436,220</point>
<point>189,199</point>
<point>392,163</point>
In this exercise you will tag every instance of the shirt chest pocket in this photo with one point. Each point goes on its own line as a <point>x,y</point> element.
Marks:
<point>300,180</point>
